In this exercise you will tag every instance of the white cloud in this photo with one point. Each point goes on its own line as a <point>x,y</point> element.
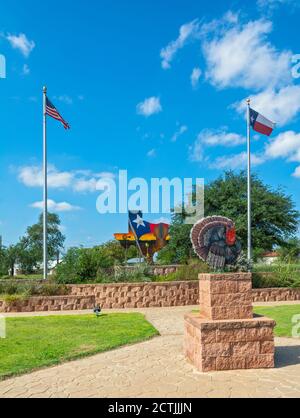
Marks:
<point>211,137</point>
<point>32,176</point>
<point>187,32</point>
<point>297,172</point>
<point>150,106</point>
<point>64,98</point>
<point>237,161</point>
<point>273,4</point>
<point>285,145</point>
<point>280,106</point>
<point>90,185</point>
<point>182,130</point>
<point>86,185</point>
<point>196,151</point>
<point>151,153</point>
<point>195,77</point>
<point>80,181</point>
<point>56,207</point>
<point>162,221</point>
<point>25,69</point>
<point>22,43</point>
<point>241,56</point>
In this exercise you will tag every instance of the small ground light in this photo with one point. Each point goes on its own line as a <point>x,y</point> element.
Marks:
<point>97,310</point>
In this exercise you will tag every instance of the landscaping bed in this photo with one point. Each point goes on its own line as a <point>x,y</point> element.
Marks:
<point>33,343</point>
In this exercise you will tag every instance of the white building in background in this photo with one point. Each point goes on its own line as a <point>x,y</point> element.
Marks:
<point>270,258</point>
<point>52,264</point>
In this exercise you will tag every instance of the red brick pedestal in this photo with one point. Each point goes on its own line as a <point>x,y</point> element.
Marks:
<point>226,335</point>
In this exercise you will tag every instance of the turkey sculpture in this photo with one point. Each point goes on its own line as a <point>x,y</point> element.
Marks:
<point>214,241</point>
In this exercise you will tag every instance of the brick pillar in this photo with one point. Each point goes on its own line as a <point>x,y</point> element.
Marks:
<point>225,335</point>
<point>224,296</point>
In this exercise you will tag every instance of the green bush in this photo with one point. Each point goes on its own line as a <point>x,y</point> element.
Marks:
<point>10,299</point>
<point>185,272</point>
<point>266,268</point>
<point>81,265</point>
<point>27,290</point>
<point>126,275</point>
<point>281,275</point>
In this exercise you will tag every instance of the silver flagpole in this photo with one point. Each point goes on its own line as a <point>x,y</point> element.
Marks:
<point>45,172</point>
<point>249,183</point>
<point>137,241</point>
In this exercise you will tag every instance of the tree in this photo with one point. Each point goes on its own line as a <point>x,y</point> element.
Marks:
<point>290,252</point>
<point>28,258</point>
<point>274,217</point>
<point>11,258</point>
<point>3,262</point>
<point>32,242</point>
<point>82,264</point>
<point>179,250</point>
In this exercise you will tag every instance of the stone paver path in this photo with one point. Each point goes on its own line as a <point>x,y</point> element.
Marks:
<point>157,368</point>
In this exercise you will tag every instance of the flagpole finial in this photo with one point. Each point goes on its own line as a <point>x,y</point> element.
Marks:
<point>248,101</point>
<point>45,89</point>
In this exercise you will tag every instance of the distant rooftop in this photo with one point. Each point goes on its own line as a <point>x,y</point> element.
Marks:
<point>271,254</point>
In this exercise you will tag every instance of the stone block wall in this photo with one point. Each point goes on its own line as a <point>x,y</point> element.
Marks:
<point>141,295</point>
<point>276,295</point>
<point>228,345</point>
<point>49,303</point>
<point>174,294</point>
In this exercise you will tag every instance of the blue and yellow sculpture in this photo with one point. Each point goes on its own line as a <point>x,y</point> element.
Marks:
<point>151,237</point>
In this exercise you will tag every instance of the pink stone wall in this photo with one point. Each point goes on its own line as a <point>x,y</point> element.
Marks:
<point>49,303</point>
<point>135,295</point>
<point>276,295</point>
<point>141,295</point>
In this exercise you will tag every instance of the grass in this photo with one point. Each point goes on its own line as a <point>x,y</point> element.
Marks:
<point>265,268</point>
<point>23,277</point>
<point>38,342</point>
<point>283,315</point>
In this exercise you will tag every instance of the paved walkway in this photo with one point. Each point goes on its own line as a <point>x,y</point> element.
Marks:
<point>157,368</point>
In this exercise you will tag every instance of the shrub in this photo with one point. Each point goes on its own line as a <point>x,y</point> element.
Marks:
<point>186,272</point>
<point>11,288</point>
<point>10,299</point>
<point>81,265</point>
<point>27,290</point>
<point>128,275</point>
<point>281,275</point>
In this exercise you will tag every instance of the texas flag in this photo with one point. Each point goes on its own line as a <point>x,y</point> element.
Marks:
<point>261,124</point>
<point>139,225</point>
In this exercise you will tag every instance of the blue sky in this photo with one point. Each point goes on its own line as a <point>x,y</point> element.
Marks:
<point>156,88</point>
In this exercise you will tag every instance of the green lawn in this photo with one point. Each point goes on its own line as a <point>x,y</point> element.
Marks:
<point>37,342</point>
<point>282,315</point>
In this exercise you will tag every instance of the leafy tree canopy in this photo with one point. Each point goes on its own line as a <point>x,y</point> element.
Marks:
<point>28,252</point>
<point>274,217</point>
<point>33,240</point>
<point>82,264</point>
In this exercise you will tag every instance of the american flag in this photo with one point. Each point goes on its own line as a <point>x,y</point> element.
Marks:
<point>53,113</point>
